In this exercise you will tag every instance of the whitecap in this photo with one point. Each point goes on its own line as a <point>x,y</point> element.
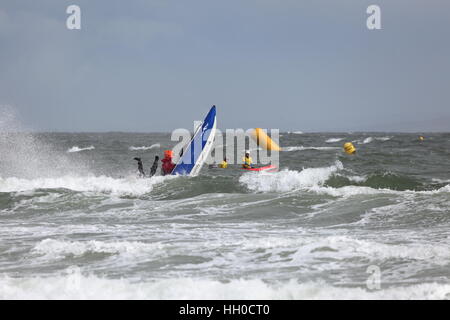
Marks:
<point>78,149</point>
<point>288,180</point>
<point>74,284</point>
<point>153,146</point>
<point>101,184</point>
<point>301,148</point>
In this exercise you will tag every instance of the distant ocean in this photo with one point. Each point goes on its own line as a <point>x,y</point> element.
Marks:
<point>77,222</point>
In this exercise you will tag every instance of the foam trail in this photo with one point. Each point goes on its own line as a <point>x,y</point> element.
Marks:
<point>371,139</point>
<point>366,140</point>
<point>383,138</point>
<point>153,146</point>
<point>78,149</point>
<point>301,148</point>
<point>57,249</point>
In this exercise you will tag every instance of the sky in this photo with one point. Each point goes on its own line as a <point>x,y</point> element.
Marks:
<point>158,65</point>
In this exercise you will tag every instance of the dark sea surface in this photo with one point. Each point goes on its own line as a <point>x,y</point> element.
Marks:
<point>77,222</point>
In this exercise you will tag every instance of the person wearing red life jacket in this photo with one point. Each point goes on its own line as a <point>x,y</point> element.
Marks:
<point>167,164</point>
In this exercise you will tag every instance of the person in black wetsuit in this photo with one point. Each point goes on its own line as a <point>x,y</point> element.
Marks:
<point>154,167</point>
<point>140,167</point>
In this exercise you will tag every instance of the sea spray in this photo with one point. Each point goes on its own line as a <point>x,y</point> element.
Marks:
<point>25,155</point>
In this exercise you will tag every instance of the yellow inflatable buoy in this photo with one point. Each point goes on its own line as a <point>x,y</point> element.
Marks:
<point>349,148</point>
<point>421,138</point>
<point>264,141</point>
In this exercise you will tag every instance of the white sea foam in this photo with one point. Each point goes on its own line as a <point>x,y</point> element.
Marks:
<point>78,149</point>
<point>288,180</point>
<point>301,148</point>
<point>366,140</point>
<point>440,180</point>
<point>348,191</point>
<point>297,132</point>
<point>371,139</point>
<point>76,285</point>
<point>348,247</point>
<point>383,138</point>
<point>51,248</point>
<point>153,146</point>
<point>313,179</point>
<point>101,184</point>
<point>357,178</point>
<point>331,140</point>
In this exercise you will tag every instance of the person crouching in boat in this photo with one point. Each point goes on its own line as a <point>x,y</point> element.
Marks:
<point>167,164</point>
<point>247,160</point>
<point>223,164</point>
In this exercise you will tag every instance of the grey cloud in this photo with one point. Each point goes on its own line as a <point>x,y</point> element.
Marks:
<point>294,65</point>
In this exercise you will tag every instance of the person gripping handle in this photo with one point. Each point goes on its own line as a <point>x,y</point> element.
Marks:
<point>167,164</point>
<point>154,167</point>
<point>140,167</point>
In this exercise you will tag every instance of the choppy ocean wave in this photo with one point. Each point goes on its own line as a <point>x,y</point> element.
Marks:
<point>301,148</point>
<point>78,286</point>
<point>371,139</point>
<point>101,184</point>
<point>84,226</point>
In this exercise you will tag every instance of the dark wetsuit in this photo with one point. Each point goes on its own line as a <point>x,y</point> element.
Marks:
<point>140,167</point>
<point>154,166</point>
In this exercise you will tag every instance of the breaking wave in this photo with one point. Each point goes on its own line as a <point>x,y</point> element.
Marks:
<point>55,249</point>
<point>301,148</point>
<point>328,180</point>
<point>73,284</point>
<point>101,184</point>
<point>289,180</point>
<point>78,149</point>
<point>365,141</point>
<point>153,146</point>
<point>371,139</point>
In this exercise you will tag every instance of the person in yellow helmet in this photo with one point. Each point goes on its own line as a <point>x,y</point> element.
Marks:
<point>223,164</point>
<point>247,160</point>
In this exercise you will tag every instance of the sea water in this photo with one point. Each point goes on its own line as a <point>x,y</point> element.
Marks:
<point>76,222</point>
